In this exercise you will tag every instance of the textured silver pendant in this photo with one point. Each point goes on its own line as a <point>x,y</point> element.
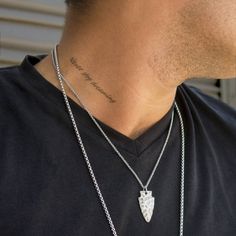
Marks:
<point>146,203</point>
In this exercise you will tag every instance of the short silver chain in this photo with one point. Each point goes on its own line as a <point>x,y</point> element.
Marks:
<point>144,187</point>
<point>61,79</point>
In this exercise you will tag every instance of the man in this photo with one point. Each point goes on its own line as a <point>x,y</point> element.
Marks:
<point>127,62</point>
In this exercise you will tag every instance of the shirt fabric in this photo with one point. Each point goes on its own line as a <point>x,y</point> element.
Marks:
<point>45,186</point>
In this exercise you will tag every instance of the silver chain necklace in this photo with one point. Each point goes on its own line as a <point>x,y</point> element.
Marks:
<point>146,201</point>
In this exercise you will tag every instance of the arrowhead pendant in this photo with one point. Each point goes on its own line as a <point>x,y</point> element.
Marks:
<point>146,203</point>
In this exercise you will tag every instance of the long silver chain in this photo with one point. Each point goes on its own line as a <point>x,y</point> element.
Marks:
<point>61,79</point>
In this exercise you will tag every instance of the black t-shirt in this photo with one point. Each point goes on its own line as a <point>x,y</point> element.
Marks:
<point>45,186</point>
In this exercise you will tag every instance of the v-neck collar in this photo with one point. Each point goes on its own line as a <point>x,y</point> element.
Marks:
<point>133,146</point>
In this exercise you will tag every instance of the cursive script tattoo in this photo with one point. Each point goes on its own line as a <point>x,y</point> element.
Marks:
<point>89,79</point>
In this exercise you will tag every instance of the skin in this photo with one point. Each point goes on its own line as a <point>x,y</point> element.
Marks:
<point>137,52</point>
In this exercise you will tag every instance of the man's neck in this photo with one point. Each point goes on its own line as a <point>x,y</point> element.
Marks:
<point>112,66</point>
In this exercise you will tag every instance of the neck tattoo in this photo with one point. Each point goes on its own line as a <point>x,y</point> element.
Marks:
<point>86,76</point>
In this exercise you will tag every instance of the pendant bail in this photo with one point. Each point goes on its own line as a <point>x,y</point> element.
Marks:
<point>145,189</point>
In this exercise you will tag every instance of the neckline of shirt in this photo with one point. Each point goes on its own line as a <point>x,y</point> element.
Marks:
<point>135,147</point>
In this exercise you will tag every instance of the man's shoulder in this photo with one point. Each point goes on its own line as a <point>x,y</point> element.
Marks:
<point>12,87</point>
<point>9,77</point>
<point>209,108</point>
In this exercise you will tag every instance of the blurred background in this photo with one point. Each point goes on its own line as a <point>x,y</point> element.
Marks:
<point>34,26</point>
